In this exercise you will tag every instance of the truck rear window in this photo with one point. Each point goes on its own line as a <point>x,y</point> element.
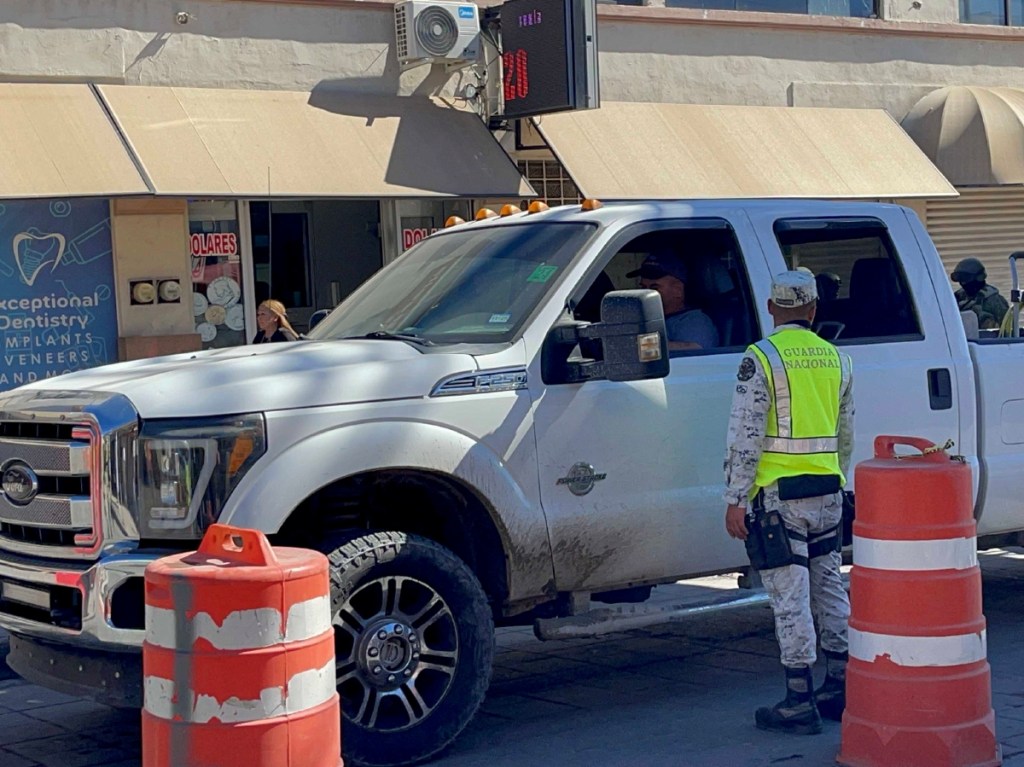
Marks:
<point>466,286</point>
<point>863,293</point>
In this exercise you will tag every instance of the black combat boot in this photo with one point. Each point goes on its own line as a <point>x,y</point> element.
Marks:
<point>797,714</point>
<point>831,696</point>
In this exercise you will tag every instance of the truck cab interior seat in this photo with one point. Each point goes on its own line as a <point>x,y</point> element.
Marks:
<point>878,305</point>
<point>718,297</point>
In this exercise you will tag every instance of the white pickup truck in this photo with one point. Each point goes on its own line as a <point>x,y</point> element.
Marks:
<point>491,430</point>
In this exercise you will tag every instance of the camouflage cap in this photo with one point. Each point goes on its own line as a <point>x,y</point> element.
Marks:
<point>793,289</point>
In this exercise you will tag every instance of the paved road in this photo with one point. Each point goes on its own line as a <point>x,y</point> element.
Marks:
<point>671,696</point>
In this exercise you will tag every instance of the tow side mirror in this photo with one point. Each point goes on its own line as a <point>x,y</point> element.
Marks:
<point>630,343</point>
<point>633,334</point>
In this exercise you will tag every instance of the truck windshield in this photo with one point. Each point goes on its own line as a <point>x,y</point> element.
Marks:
<point>469,286</point>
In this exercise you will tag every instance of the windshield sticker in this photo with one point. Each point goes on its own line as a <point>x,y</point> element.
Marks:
<point>500,318</point>
<point>542,273</point>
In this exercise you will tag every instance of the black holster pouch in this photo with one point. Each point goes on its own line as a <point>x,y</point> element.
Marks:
<point>849,514</point>
<point>767,542</point>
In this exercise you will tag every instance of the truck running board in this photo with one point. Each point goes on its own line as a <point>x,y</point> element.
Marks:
<point>629,617</point>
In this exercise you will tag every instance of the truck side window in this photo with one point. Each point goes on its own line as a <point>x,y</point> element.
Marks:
<point>717,310</point>
<point>862,290</point>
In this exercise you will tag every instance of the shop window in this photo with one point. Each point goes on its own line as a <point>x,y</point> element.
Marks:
<point>217,298</point>
<point>862,290</point>
<point>281,253</point>
<point>998,12</point>
<point>551,181</point>
<point>857,8</point>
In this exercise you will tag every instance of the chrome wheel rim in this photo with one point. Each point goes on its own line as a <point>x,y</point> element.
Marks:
<point>396,649</point>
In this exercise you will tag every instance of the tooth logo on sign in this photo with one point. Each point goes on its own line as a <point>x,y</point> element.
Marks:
<point>33,251</point>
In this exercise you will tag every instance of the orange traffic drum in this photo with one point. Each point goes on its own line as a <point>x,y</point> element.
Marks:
<point>238,660</point>
<point>918,686</point>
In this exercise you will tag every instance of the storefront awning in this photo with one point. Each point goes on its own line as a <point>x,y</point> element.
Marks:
<point>57,141</point>
<point>235,143</point>
<point>650,150</point>
<point>974,135</point>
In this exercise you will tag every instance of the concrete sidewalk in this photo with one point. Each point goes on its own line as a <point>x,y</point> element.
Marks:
<point>670,696</point>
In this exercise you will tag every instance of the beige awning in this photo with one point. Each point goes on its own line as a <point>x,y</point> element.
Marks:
<point>57,141</point>
<point>649,150</point>
<point>243,143</point>
<point>974,135</point>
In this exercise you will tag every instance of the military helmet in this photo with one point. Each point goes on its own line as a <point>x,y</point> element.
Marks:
<point>969,270</point>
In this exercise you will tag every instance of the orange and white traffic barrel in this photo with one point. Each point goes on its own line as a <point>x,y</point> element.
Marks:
<point>238,660</point>
<point>918,687</point>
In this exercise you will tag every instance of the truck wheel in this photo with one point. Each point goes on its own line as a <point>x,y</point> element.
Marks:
<point>414,643</point>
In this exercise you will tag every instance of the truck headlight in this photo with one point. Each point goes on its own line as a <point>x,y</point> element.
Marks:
<point>188,468</point>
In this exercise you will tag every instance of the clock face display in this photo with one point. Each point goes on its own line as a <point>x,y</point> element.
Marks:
<point>537,57</point>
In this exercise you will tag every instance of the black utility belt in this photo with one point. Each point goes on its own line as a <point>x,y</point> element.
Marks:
<point>808,486</point>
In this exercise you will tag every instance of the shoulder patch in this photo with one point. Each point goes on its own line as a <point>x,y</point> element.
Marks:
<point>747,370</point>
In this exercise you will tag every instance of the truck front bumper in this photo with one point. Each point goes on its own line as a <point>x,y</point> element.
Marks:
<point>77,627</point>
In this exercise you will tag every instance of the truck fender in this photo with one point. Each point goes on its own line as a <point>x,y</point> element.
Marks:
<point>279,482</point>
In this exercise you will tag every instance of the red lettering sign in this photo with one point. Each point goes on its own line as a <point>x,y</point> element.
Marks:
<point>411,236</point>
<point>214,244</point>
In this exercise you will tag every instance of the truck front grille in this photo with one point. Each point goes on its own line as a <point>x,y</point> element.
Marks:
<point>59,517</point>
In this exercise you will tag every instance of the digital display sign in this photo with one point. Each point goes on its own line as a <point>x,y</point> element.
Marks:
<point>548,56</point>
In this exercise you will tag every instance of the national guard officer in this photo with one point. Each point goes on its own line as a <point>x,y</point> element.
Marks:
<point>789,446</point>
<point>975,295</point>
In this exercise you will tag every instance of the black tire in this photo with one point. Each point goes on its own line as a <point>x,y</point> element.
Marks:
<point>414,639</point>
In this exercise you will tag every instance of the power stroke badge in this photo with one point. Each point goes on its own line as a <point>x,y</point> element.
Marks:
<point>581,479</point>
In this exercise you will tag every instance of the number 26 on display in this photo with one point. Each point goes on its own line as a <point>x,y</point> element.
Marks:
<point>516,81</point>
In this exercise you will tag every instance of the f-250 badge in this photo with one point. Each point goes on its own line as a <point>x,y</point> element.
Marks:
<point>581,478</point>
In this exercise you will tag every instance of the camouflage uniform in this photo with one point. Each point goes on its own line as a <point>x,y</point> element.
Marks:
<point>797,593</point>
<point>987,303</point>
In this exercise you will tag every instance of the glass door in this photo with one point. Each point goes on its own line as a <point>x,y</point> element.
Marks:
<point>281,253</point>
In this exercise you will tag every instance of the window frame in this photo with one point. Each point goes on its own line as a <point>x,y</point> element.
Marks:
<point>894,253</point>
<point>640,228</point>
<point>875,13</point>
<point>1008,16</point>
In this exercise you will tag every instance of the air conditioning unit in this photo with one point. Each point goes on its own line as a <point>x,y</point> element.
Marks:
<point>443,32</point>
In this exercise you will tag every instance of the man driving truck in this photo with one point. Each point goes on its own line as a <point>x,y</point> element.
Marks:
<point>688,327</point>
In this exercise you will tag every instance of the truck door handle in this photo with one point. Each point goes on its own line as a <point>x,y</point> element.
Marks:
<point>940,389</point>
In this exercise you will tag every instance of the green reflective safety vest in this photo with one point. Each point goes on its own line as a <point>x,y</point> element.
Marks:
<point>806,378</point>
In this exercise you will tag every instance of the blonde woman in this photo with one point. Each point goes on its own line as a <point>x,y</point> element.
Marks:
<point>272,318</point>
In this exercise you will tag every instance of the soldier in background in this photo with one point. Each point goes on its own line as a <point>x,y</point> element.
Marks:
<point>789,447</point>
<point>975,295</point>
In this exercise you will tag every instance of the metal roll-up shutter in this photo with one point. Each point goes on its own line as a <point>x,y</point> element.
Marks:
<point>984,222</point>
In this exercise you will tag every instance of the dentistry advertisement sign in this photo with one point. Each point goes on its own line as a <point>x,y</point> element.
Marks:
<point>57,311</point>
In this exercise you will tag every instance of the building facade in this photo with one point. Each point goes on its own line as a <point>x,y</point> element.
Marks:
<point>167,166</point>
